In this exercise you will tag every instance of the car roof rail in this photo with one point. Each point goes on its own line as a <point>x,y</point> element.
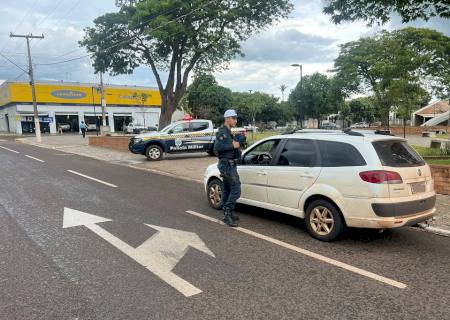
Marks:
<point>353,133</point>
<point>292,131</point>
<point>387,132</point>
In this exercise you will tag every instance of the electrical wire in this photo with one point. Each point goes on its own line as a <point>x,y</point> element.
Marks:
<point>129,39</point>
<point>5,57</point>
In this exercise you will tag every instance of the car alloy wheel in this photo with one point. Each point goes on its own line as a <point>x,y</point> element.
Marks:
<point>154,153</point>
<point>321,220</point>
<point>324,221</point>
<point>214,193</point>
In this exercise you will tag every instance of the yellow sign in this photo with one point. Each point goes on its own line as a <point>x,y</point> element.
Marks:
<point>78,94</point>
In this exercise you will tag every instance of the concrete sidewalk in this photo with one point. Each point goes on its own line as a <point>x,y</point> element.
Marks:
<point>184,166</point>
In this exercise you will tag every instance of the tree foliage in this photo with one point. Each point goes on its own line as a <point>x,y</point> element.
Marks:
<point>206,99</point>
<point>374,65</point>
<point>316,96</point>
<point>174,37</point>
<point>379,11</point>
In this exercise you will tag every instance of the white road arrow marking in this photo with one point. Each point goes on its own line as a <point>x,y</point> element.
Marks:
<point>159,254</point>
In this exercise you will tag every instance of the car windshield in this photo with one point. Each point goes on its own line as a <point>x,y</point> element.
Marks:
<point>167,128</point>
<point>397,153</point>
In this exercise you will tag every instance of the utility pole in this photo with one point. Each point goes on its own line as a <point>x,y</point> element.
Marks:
<point>102,88</point>
<point>301,88</point>
<point>37,126</point>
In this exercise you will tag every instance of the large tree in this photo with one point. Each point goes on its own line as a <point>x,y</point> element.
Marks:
<point>206,99</point>
<point>379,11</point>
<point>174,37</point>
<point>372,65</point>
<point>315,97</point>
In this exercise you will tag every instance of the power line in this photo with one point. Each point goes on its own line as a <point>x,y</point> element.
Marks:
<point>129,39</point>
<point>5,57</point>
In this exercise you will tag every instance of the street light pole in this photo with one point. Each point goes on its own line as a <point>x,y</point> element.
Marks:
<point>301,86</point>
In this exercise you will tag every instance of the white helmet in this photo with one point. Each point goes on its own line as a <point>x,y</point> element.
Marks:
<point>230,113</point>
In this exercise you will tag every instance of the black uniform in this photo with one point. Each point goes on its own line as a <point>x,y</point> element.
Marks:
<point>228,160</point>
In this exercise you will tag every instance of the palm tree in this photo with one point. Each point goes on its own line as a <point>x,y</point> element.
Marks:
<point>283,88</point>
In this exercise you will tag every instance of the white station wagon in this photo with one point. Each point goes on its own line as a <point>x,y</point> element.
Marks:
<point>334,180</point>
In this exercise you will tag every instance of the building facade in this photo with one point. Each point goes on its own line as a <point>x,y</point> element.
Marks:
<point>64,105</point>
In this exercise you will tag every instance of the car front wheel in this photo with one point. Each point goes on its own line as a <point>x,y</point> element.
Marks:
<point>154,153</point>
<point>324,221</point>
<point>214,194</point>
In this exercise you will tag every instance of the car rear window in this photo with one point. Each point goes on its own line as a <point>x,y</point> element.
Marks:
<point>397,153</point>
<point>339,154</point>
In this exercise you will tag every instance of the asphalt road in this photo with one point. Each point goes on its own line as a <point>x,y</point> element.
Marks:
<point>81,272</point>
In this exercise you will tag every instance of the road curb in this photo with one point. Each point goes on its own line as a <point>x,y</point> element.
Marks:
<point>438,231</point>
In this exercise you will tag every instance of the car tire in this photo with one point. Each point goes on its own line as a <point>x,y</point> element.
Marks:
<point>214,194</point>
<point>154,153</point>
<point>324,221</point>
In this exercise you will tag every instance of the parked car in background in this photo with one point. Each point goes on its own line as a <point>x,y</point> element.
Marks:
<point>360,125</point>
<point>334,180</point>
<point>251,128</point>
<point>64,126</point>
<point>330,126</point>
<point>138,128</point>
<point>91,127</point>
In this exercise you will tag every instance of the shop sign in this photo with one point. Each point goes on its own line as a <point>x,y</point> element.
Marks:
<point>68,94</point>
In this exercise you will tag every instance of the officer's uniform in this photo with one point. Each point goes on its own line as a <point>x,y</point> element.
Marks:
<point>228,160</point>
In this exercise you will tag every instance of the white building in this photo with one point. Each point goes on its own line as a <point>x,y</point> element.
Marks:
<point>67,104</point>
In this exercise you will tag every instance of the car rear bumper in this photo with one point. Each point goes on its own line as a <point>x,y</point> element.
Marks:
<point>388,213</point>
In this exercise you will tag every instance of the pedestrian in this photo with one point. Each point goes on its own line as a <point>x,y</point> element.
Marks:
<point>228,151</point>
<point>83,128</point>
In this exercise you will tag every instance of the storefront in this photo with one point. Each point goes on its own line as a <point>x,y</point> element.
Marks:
<point>65,105</point>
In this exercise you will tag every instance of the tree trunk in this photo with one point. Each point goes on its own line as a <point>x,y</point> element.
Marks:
<point>167,109</point>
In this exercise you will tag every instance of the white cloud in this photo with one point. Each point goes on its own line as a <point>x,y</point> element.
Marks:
<point>307,37</point>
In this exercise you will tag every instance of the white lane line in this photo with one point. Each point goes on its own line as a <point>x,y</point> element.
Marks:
<point>1,140</point>
<point>34,158</point>
<point>311,254</point>
<point>93,179</point>
<point>9,149</point>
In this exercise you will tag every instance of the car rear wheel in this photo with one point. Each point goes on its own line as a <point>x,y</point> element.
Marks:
<point>324,221</point>
<point>154,153</point>
<point>214,194</point>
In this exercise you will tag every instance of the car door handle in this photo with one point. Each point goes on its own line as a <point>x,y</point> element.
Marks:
<point>262,173</point>
<point>306,176</point>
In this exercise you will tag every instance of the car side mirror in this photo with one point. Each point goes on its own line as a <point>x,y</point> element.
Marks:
<point>170,131</point>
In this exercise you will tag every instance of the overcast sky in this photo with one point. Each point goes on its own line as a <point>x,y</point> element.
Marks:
<point>307,37</point>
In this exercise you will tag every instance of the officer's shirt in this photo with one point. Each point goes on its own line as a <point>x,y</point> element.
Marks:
<point>223,145</point>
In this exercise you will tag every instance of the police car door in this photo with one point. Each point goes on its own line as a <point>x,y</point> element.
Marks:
<point>177,138</point>
<point>201,136</point>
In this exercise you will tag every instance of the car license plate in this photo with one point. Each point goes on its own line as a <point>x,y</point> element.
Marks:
<point>417,187</point>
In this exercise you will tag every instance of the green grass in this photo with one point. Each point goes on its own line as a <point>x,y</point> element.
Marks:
<point>442,136</point>
<point>438,161</point>
<point>427,152</point>
<point>260,135</point>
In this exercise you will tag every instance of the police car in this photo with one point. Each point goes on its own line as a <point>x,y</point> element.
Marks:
<point>184,136</point>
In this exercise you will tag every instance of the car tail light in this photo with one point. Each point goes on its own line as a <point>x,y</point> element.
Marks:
<point>381,176</point>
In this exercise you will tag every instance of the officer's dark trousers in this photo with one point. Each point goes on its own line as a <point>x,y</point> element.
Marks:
<point>231,183</point>
<point>83,132</point>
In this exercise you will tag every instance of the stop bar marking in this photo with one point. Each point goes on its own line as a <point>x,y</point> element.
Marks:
<point>93,179</point>
<point>308,253</point>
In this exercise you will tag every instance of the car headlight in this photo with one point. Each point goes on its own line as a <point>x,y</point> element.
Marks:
<point>137,140</point>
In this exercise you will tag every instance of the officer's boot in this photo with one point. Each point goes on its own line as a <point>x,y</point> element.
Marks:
<point>228,218</point>
<point>234,215</point>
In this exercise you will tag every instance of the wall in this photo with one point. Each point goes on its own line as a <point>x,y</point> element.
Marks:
<point>441,176</point>
<point>398,131</point>
<point>116,143</point>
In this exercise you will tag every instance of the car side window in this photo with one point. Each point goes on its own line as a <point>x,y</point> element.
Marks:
<point>180,128</point>
<point>199,126</point>
<point>298,153</point>
<point>262,154</point>
<point>339,154</point>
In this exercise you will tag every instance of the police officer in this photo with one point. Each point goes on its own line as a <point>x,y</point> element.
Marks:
<point>227,148</point>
